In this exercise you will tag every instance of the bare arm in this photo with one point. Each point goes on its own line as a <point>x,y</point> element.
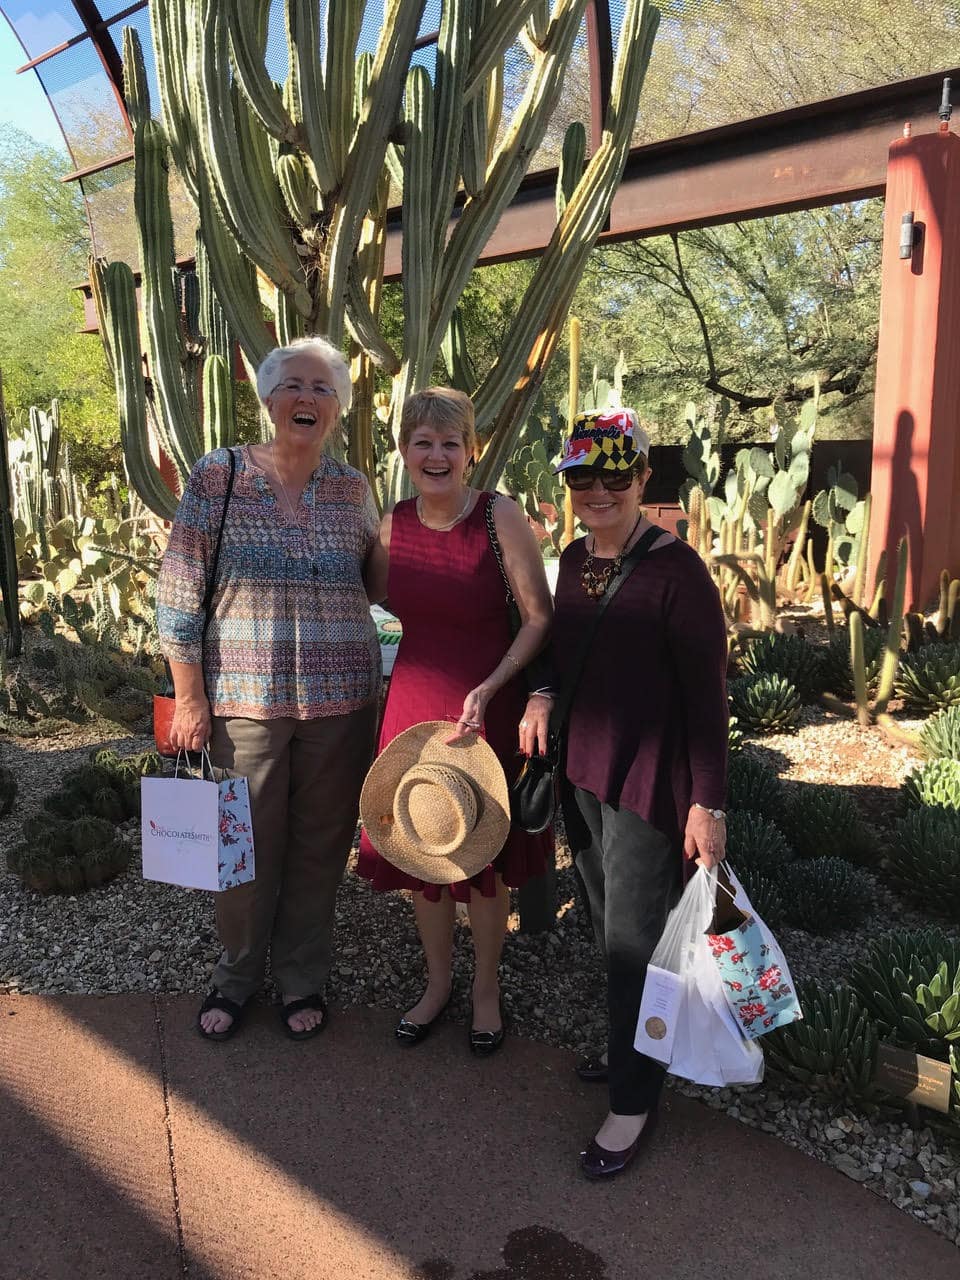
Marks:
<point>378,563</point>
<point>191,717</point>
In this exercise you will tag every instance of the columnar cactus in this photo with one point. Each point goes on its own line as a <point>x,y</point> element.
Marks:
<point>9,575</point>
<point>290,184</point>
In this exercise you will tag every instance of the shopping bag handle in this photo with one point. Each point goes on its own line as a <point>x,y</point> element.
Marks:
<point>204,759</point>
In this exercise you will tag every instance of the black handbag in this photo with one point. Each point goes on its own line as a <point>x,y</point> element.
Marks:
<point>535,794</point>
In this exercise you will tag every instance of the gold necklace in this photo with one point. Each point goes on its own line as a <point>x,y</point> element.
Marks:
<point>311,550</point>
<point>595,581</point>
<point>442,528</point>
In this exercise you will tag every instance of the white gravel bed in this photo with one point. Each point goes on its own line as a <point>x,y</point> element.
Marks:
<point>135,936</point>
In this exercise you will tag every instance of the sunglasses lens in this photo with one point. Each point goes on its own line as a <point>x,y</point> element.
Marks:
<point>612,481</point>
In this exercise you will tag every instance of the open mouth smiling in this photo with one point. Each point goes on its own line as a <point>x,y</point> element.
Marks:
<point>303,418</point>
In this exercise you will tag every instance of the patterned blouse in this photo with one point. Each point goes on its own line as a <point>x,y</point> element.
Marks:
<point>290,630</point>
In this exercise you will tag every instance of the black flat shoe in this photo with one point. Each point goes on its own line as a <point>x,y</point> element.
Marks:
<point>314,1002</point>
<point>484,1044</point>
<point>597,1162</point>
<point>216,1001</point>
<point>592,1069</point>
<point>410,1033</point>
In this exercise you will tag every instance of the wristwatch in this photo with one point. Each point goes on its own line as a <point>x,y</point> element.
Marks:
<point>718,814</point>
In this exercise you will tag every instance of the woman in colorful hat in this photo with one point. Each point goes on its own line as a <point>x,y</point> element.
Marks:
<point>646,753</point>
<point>460,661</point>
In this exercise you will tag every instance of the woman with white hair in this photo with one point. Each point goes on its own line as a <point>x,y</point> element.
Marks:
<point>280,674</point>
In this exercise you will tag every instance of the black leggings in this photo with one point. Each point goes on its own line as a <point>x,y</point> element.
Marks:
<point>630,876</point>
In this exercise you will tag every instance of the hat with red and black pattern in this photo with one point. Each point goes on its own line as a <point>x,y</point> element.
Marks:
<point>610,440</point>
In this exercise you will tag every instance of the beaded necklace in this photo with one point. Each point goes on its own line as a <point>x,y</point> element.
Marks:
<point>442,528</point>
<point>595,581</point>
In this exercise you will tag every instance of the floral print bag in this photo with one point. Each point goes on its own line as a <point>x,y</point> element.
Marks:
<point>756,980</point>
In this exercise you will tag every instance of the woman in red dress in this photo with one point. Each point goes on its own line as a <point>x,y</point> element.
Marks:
<point>459,661</point>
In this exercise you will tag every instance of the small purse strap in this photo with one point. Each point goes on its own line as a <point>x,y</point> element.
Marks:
<point>496,547</point>
<point>212,584</point>
<point>637,552</point>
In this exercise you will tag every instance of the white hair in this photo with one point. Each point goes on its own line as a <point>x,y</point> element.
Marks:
<point>269,371</point>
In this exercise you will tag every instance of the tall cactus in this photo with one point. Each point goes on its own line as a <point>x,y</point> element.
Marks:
<point>9,575</point>
<point>290,184</point>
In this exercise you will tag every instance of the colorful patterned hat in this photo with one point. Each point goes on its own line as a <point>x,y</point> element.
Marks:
<point>612,440</point>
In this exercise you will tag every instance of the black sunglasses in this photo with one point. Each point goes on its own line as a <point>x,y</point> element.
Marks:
<point>613,481</point>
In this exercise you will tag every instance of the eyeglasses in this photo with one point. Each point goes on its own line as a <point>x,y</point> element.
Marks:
<point>581,478</point>
<point>322,390</point>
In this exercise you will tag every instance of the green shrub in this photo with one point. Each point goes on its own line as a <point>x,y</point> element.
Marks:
<point>765,703</point>
<point>907,982</point>
<point>824,823</point>
<point>792,657</point>
<point>940,735</point>
<point>929,680</point>
<point>834,1047</point>
<point>823,895</point>
<point>8,790</point>
<point>835,659</point>
<point>924,860</point>
<point>754,786</point>
<point>754,843</point>
<point>933,785</point>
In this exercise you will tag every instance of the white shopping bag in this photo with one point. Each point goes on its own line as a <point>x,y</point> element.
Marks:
<point>196,832</point>
<point>706,1044</point>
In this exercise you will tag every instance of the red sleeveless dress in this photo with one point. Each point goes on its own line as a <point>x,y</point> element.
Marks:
<point>447,591</point>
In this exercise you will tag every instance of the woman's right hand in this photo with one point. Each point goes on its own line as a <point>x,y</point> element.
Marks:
<point>534,728</point>
<point>190,730</point>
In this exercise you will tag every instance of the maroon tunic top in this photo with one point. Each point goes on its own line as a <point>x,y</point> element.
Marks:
<point>648,726</point>
<point>446,589</point>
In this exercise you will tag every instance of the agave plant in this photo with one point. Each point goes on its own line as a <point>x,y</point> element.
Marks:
<point>765,703</point>
<point>923,860</point>
<point>823,895</point>
<point>764,894</point>
<point>789,656</point>
<point>935,784</point>
<point>929,680</point>
<point>734,738</point>
<point>940,735</point>
<point>837,673</point>
<point>757,844</point>
<point>753,786</point>
<point>909,982</point>
<point>834,1048</point>
<point>824,823</point>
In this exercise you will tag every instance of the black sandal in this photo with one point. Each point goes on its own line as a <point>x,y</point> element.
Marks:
<point>216,1001</point>
<point>314,1002</point>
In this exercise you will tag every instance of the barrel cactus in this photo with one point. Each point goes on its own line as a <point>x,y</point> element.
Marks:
<point>823,895</point>
<point>789,656</point>
<point>824,822</point>
<point>754,843</point>
<point>765,703</point>
<point>929,680</point>
<point>836,669</point>
<point>935,784</point>
<point>909,982</point>
<point>940,735</point>
<point>923,859</point>
<point>833,1049</point>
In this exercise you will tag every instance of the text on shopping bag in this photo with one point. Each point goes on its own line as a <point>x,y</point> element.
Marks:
<point>197,833</point>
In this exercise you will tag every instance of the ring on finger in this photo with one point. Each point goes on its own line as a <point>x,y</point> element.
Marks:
<point>523,724</point>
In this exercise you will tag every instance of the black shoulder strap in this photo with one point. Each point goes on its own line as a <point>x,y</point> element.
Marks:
<point>633,557</point>
<point>212,584</point>
<point>497,550</point>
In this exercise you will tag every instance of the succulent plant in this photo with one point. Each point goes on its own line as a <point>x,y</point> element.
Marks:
<point>108,803</point>
<point>923,860</point>
<point>836,670</point>
<point>753,786</point>
<point>66,803</point>
<point>909,982</point>
<point>46,831</point>
<point>825,894</point>
<point>734,738</point>
<point>765,703</point>
<point>754,843</point>
<point>824,822</point>
<point>90,834</point>
<point>935,784</point>
<point>929,680</point>
<point>789,656</point>
<point>37,868</point>
<point>150,764</point>
<point>106,758</point>
<point>940,735</point>
<point>104,862</point>
<point>764,894</point>
<point>834,1047</point>
<point>8,790</point>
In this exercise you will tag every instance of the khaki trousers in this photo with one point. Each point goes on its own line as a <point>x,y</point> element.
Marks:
<point>305,778</point>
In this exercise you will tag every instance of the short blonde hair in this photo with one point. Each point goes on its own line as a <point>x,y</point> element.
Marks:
<point>270,370</point>
<point>439,407</point>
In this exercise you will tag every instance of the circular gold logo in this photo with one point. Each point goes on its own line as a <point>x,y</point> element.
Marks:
<point>655,1028</point>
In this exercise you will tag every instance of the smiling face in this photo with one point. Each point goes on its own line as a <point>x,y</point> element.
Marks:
<point>436,458</point>
<point>303,406</point>
<point>607,512</point>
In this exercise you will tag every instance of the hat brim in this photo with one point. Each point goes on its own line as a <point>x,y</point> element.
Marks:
<point>426,744</point>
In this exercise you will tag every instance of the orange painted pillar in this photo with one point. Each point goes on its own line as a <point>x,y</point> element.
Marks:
<point>916,437</point>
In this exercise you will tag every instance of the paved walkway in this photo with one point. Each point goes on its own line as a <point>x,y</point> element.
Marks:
<point>131,1150</point>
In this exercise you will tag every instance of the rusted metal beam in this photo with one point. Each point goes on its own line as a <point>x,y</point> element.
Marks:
<point>107,52</point>
<point>600,53</point>
<point>86,34</point>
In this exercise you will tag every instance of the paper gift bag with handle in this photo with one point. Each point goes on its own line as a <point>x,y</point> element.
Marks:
<point>196,832</point>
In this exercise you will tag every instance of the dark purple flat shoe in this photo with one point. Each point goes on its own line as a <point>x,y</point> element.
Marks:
<point>597,1162</point>
<point>592,1069</point>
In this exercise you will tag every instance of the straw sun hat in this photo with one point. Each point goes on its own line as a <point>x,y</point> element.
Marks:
<point>440,813</point>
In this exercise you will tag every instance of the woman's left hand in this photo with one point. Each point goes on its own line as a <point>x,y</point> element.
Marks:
<point>471,718</point>
<point>705,837</point>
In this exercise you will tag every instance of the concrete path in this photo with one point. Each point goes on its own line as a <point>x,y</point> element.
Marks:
<point>131,1150</point>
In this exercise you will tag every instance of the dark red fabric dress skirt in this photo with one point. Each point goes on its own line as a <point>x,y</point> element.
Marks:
<point>447,591</point>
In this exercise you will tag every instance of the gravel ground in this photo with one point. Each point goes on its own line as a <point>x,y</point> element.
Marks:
<point>133,935</point>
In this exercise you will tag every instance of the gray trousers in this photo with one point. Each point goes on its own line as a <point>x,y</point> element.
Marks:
<point>305,778</point>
